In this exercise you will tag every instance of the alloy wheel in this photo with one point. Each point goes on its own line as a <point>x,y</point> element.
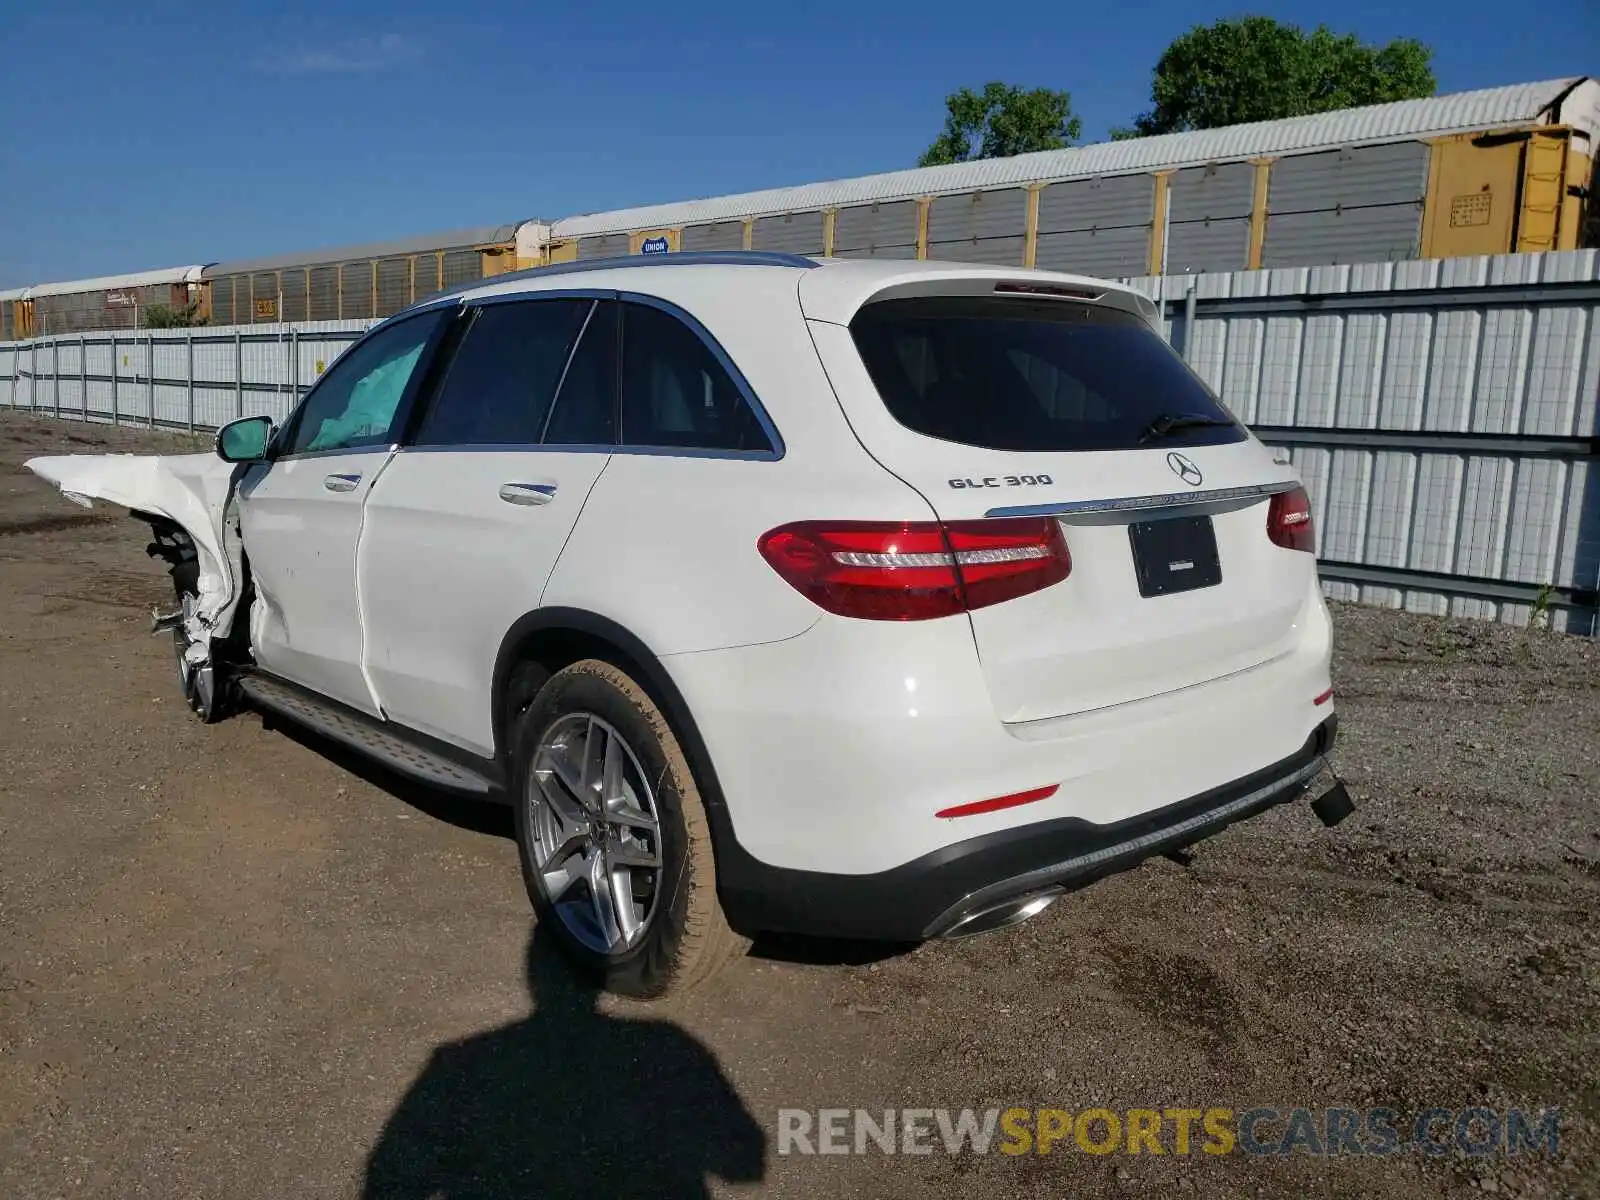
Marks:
<point>596,832</point>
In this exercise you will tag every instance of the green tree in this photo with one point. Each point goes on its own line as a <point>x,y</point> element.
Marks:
<point>1000,121</point>
<point>165,316</point>
<point>1258,69</point>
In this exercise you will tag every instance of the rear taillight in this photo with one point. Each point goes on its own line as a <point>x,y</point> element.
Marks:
<point>1289,521</point>
<point>916,570</point>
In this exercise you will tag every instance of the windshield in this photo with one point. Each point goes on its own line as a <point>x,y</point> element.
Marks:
<point>1051,375</point>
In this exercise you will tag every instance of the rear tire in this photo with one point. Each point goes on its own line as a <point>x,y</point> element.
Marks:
<point>603,793</point>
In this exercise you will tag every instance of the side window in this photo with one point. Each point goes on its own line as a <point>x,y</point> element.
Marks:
<point>504,374</point>
<point>585,412</point>
<point>674,390</point>
<point>357,401</point>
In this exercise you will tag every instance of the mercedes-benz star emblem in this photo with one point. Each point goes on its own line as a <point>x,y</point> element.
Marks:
<point>1185,469</point>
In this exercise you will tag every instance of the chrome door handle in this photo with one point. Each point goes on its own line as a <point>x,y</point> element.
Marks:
<point>527,493</point>
<point>341,483</point>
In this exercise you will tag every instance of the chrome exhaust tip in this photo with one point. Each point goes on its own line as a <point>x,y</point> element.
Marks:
<point>1003,915</point>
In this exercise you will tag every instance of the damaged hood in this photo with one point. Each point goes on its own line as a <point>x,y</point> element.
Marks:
<point>191,490</point>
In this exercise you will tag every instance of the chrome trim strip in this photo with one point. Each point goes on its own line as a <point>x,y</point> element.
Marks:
<point>333,452</point>
<point>1136,503</point>
<point>542,448</point>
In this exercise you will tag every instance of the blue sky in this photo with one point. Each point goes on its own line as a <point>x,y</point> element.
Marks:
<point>149,134</point>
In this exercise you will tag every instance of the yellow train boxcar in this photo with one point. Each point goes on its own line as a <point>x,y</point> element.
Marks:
<point>1493,171</point>
<point>355,282</point>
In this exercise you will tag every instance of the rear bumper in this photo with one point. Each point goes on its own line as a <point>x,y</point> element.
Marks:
<point>929,895</point>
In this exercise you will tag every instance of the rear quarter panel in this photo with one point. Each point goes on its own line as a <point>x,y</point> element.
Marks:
<point>666,545</point>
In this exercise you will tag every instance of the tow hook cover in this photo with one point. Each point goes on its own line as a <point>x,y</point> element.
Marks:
<point>1333,806</point>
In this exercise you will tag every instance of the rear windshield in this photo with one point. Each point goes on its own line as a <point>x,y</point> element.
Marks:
<point>1020,374</point>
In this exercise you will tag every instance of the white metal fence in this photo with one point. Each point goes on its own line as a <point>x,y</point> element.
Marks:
<point>171,378</point>
<point>1443,413</point>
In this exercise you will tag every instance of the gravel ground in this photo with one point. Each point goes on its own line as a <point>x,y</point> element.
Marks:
<point>234,961</point>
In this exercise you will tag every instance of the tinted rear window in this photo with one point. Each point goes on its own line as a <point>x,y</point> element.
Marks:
<point>1014,374</point>
<point>675,392</point>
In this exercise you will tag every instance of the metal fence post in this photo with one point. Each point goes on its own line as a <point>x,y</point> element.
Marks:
<point>238,373</point>
<point>83,374</point>
<point>150,375</point>
<point>188,339</point>
<point>1188,322</point>
<point>114,379</point>
<point>55,373</point>
<point>294,371</point>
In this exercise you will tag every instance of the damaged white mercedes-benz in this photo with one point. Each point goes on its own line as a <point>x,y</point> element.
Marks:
<point>869,599</point>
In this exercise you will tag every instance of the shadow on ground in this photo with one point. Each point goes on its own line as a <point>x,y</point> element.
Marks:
<point>472,813</point>
<point>567,1101</point>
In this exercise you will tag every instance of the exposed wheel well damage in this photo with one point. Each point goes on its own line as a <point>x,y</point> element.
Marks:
<point>548,639</point>
<point>187,499</point>
<point>189,561</point>
<point>171,543</point>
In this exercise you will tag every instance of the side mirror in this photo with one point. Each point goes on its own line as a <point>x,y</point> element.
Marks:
<point>244,440</point>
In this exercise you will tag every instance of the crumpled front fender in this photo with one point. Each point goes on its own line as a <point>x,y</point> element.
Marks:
<point>191,490</point>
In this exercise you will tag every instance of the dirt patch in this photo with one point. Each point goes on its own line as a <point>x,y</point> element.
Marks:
<point>51,523</point>
<point>1175,988</point>
<point>234,964</point>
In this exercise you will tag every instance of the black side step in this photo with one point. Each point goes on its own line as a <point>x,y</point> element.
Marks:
<point>384,742</point>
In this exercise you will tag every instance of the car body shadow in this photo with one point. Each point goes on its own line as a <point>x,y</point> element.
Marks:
<point>804,951</point>
<point>567,1101</point>
<point>461,809</point>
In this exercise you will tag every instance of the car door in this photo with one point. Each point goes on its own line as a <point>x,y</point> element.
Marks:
<point>300,513</point>
<point>468,519</point>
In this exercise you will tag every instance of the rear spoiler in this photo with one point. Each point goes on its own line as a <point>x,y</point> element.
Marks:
<point>833,296</point>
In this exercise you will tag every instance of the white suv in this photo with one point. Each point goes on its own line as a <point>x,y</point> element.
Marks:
<point>870,599</point>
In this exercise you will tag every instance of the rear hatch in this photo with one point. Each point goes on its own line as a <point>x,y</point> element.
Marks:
<point>995,403</point>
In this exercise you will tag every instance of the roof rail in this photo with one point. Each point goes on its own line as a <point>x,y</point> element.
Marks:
<point>704,258</point>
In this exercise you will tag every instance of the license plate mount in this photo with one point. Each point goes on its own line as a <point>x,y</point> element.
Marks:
<point>1178,554</point>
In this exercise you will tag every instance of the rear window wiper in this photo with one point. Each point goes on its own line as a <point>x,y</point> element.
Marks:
<point>1169,423</point>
